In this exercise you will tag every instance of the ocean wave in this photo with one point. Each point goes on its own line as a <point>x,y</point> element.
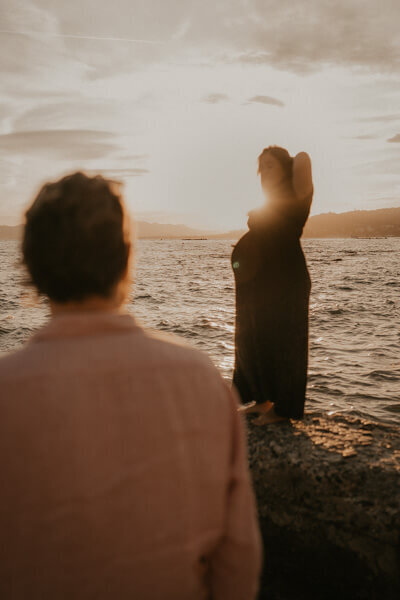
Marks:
<point>4,331</point>
<point>392,408</point>
<point>147,297</point>
<point>384,376</point>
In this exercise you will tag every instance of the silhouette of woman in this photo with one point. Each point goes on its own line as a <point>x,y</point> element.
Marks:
<point>272,292</point>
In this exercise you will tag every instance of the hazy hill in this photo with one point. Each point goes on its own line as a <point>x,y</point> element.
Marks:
<point>143,229</point>
<point>358,223</point>
<point>8,232</point>
<point>384,222</point>
<point>159,230</point>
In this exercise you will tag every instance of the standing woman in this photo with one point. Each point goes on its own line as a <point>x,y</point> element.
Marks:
<point>272,292</point>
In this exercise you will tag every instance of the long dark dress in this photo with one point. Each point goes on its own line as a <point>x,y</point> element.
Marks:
<point>272,297</point>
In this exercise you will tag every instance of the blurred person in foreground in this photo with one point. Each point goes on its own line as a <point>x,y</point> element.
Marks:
<point>122,454</point>
<point>272,292</point>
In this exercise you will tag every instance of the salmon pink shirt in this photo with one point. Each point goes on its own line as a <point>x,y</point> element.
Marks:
<point>123,469</point>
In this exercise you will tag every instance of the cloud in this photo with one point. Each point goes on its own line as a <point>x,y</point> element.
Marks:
<point>215,98</point>
<point>395,139</point>
<point>35,55</point>
<point>296,64</point>
<point>305,36</point>
<point>266,100</point>
<point>300,36</point>
<point>364,137</point>
<point>135,156</point>
<point>120,173</point>
<point>384,166</point>
<point>389,166</point>
<point>59,144</point>
<point>380,118</point>
<point>67,115</point>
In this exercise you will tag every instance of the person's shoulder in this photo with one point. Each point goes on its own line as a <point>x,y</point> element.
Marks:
<point>177,349</point>
<point>180,361</point>
<point>12,363</point>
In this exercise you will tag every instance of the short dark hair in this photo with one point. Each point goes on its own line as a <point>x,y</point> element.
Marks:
<point>76,241</point>
<point>280,154</point>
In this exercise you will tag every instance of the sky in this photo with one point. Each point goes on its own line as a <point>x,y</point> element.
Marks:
<point>176,99</point>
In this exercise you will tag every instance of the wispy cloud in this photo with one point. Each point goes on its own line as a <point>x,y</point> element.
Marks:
<point>60,144</point>
<point>72,36</point>
<point>301,36</point>
<point>68,114</point>
<point>384,166</point>
<point>266,100</point>
<point>309,35</point>
<point>120,173</point>
<point>380,118</point>
<point>364,137</point>
<point>215,98</point>
<point>77,93</point>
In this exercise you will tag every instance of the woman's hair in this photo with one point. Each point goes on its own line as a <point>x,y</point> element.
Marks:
<point>282,155</point>
<point>76,240</point>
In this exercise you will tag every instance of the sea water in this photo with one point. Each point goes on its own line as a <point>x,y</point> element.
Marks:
<point>186,287</point>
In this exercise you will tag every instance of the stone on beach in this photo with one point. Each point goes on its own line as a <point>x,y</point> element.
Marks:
<point>328,494</point>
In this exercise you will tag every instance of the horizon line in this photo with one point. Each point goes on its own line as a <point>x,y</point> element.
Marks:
<point>214,231</point>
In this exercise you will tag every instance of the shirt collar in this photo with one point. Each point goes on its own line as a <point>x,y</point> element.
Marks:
<point>78,324</point>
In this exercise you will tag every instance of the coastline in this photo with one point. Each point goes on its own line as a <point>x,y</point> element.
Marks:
<point>328,495</point>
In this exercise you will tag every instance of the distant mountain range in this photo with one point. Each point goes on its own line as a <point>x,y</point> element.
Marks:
<point>144,231</point>
<point>384,222</point>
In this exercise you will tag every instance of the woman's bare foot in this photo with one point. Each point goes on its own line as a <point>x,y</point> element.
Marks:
<point>247,408</point>
<point>256,408</point>
<point>269,417</point>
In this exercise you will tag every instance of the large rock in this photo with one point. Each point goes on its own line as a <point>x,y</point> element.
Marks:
<point>328,492</point>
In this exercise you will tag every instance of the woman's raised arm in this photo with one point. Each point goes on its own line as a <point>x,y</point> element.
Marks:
<point>302,175</point>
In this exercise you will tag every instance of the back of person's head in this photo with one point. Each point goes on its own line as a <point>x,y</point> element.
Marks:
<point>281,155</point>
<point>76,242</point>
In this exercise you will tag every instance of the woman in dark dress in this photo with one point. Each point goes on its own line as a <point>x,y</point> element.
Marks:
<point>272,292</point>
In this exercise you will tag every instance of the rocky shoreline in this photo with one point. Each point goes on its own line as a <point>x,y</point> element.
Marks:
<point>328,494</point>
